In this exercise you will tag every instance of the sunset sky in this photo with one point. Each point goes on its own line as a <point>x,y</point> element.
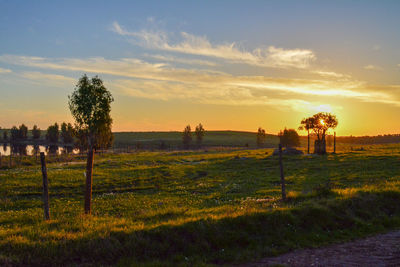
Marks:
<point>233,65</point>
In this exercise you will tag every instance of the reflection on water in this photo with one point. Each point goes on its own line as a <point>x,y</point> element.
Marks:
<point>32,150</point>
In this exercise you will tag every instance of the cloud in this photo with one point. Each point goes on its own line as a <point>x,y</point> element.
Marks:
<point>5,70</point>
<point>218,94</point>
<point>296,58</point>
<point>331,74</point>
<point>138,78</point>
<point>372,67</point>
<point>182,60</point>
<point>48,79</point>
<point>199,45</point>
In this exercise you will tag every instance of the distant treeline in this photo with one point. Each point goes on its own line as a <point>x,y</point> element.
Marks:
<point>379,139</point>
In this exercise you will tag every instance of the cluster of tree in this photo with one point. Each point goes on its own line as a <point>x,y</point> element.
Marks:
<point>261,136</point>
<point>66,132</point>
<point>379,139</point>
<point>187,136</point>
<point>20,133</point>
<point>289,138</point>
<point>53,133</point>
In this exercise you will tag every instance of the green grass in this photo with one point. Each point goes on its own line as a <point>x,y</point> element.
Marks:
<point>196,208</point>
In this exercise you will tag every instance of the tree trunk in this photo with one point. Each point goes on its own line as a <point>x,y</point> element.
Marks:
<point>320,147</point>
<point>308,141</point>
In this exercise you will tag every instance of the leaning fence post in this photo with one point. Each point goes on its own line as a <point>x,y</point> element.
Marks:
<point>89,181</point>
<point>282,174</point>
<point>45,187</point>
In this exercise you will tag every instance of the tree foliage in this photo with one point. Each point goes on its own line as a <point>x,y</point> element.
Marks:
<point>36,132</point>
<point>199,132</point>
<point>90,105</point>
<point>5,135</point>
<point>319,123</point>
<point>261,136</point>
<point>187,137</point>
<point>14,133</point>
<point>289,138</point>
<point>53,133</point>
<point>18,134</point>
<point>23,132</point>
<point>67,133</point>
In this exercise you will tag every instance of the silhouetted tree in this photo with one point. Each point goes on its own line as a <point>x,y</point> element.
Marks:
<point>23,132</point>
<point>52,136</point>
<point>90,105</point>
<point>81,141</point>
<point>18,135</point>
<point>14,134</point>
<point>67,133</point>
<point>199,132</point>
<point>187,137</point>
<point>36,132</point>
<point>289,138</point>
<point>261,136</point>
<point>320,123</point>
<point>5,135</point>
<point>53,133</point>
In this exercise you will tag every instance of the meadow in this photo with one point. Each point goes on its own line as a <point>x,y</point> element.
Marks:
<point>173,140</point>
<point>196,207</point>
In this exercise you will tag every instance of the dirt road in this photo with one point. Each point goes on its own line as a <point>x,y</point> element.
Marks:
<point>380,250</point>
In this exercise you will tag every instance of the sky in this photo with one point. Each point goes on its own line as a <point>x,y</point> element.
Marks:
<point>230,65</point>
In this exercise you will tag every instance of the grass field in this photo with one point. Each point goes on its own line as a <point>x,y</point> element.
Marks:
<point>174,139</point>
<point>196,208</point>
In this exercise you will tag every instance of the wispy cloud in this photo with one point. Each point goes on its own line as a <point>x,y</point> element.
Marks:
<point>372,67</point>
<point>5,70</point>
<point>187,61</point>
<point>295,58</point>
<point>331,74</point>
<point>199,45</point>
<point>48,79</point>
<point>138,78</point>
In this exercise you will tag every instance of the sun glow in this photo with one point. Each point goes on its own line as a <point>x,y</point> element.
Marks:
<point>322,122</point>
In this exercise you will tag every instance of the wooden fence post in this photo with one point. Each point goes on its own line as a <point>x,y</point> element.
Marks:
<point>282,174</point>
<point>334,143</point>
<point>89,174</point>
<point>45,187</point>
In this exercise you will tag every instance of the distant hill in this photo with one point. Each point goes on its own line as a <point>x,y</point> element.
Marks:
<point>174,139</point>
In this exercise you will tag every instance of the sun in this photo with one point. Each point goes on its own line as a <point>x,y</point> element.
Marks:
<point>322,122</point>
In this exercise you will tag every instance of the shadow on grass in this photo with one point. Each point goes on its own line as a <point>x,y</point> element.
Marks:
<point>227,240</point>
